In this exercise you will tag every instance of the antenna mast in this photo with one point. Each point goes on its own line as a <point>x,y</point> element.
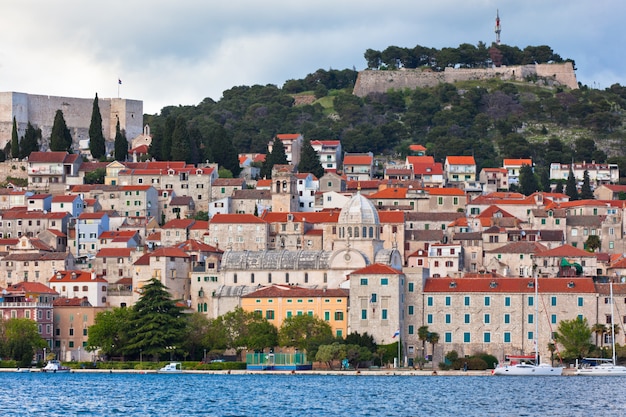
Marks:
<point>498,30</point>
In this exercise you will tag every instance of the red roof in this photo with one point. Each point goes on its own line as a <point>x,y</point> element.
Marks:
<point>178,224</point>
<point>48,157</point>
<point>294,291</point>
<point>64,198</point>
<point>391,216</point>
<point>517,162</point>
<point>288,136</point>
<point>392,192</point>
<point>420,160</point>
<point>75,276</point>
<point>357,160</point>
<point>566,251</point>
<point>88,216</point>
<point>417,148</point>
<point>508,285</point>
<point>169,252</point>
<point>461,160</point>
<point>445,191</point>
<point>376,269</point>
<point>114,252</point>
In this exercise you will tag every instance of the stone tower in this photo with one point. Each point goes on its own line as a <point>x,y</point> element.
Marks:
<point>284,190</point>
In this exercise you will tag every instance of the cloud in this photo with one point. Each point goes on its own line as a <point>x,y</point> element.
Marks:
<point>171,53</point>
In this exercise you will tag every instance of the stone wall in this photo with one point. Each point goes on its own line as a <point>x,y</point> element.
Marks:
<point>15,169</point>
<point>371,81</point>
<point>40,110</point>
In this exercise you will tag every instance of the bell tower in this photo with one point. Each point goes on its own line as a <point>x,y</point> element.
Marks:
<point>284,190</point>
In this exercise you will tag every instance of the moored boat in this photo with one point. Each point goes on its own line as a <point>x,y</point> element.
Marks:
<point>54,366</point>
<point>171,368</point>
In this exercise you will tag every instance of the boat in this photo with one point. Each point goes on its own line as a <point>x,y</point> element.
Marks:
<point>528,365</point>
<point>171,368</point>
<point>54,366</point>
<point>603,366</point>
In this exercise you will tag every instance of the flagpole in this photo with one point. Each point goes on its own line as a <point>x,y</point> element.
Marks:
<point>399,342</point>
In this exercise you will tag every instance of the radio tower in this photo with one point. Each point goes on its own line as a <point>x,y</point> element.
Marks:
<point>497,27</point>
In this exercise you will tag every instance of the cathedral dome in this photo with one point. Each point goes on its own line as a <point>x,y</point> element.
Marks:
<point>359,210</point>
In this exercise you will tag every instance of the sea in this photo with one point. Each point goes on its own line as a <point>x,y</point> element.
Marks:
<point>120,394</point>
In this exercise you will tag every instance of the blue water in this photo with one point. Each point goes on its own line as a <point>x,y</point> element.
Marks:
<point>81,394</point>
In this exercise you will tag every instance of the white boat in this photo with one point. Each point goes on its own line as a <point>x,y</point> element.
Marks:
<point>171,368</point>
<point>54,366</point>
<point>603,366</point>
<point>528,365</point>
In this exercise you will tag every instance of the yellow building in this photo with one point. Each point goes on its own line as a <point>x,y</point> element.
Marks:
<point>277,302</point>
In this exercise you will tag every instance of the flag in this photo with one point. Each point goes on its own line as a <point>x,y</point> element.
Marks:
<point>396,334</point>
<point>119,81</point>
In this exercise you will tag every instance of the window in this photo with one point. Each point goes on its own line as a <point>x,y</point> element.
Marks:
<point>507,301</point>
<point>363,281</point>
<point>448,337</point>
<point>411,287</point>
<point>364,314</point>
<point>507,337</point>
<point>507,319</point>
<point>327,315</point>
<point>429,318</point>
<point>384,314</point>
<point>553,301</point>
<point>580,301</point>
<point>487,318</point>
<point>411,310</point>
<point>338,315</point>
<point>448,300</point>
<point>467,301</point>
<point>466,337</point>
<point>530,335</point>
<point>487,337</point>
<point>411,329</point>
<point>384,281</point>
<point>429,301</point>
<point>553,319</point>
<point>448,318</point>
<point>487,301</point>
<point>531,301</point>
<point>269,314</point>
<point>531,319</point>
<point>373,298</point>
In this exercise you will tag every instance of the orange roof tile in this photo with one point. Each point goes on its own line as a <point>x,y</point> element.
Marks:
<point>376,269</point>
<point>445,191</point>
<point>461,160</point>
<point>235,218</point>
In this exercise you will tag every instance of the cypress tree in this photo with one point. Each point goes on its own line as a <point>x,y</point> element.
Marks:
<point>166,138</point>
<point>310,160</point>
<point>180,140</point>
<point>223,150</point>
<point>30,141</point>
<point>585,189</point>
<point>60,136</point>
<point>121,143</point>
<point>276,157</point>
<point>15,144</point>
<point>527,180</point>
<point>96,138</point>
<point>570,186</point>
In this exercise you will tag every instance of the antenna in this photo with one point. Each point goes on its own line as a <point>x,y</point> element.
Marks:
<point>498,29</point>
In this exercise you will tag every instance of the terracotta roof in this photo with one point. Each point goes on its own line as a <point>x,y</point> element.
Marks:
<point>48,157</point>
<point>88,216</point>
<point>71,302</point>
<point>517,162</point>
<point>391,216</point>
<point>460,160</point>
<point>39,196</point>
<point>508,285</point>
<point>566,251</point>
<point>288,136</point>
<point>445,191</point>
<point>357,160</point>
<point>263,183</point>
<point>31,287</point>
<point>170,252</point>
<point>376,269</point>
<point>421,160</point>
<point>392,192</point>
<point>416,148</point>
<point>519,247</point>
<point>75,276</point>
<point>294,291</point>
<point>196,245</point>
<point>114,252</point>
<point>178,224</point>
<point>64,198</point>
<point>428,169</point>
<point>492,210</point>
<point>433,216</point>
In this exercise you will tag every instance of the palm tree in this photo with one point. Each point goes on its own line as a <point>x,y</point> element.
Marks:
<point>422,334</point>
<point>551,349</point>
<point>600,330</point>
<point>433,339</point>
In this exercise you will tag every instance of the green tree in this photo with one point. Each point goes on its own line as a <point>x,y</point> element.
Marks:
<point>585,189</point>
<point>574,336</point>
<point>22,340</point>
<point>331,353</point>
<point>527,180</point>
<point>60,136</point>
<point>305,332</point>
<point>195,335</point>
<point>166,138</point>
<point>110,332</point>
<point>223,150</point>
<point>422,334</point>
<point>310,160</point>
<point>357,354</point>
<point>592,243</point>
<point>261,334</point>
<point>570,186</point>
<point>30,141</point>
<point>433,339</point>
<point>157,323</point>
<point>95,176</point>
<point>121,143</point>
<point>96,137</point>
<point>15,144</point>
<point>599,330</point>
<point>276,157</point>
<point>180,141</point>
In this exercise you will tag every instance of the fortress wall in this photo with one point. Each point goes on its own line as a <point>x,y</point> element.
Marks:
<point>39,110</point>
<point>370,81</point>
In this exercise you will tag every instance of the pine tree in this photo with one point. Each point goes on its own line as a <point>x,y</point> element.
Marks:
<point>156,323</point>
<point>15,144</point>
<point>585,189</point>
<point>96,138</point>
<point>30,141</point>
<point>60,136</point>
<point>570,186</point>
<point>180,140</point>
<point>310,160</point>
<point>121,143</point>
<point>276,157</point>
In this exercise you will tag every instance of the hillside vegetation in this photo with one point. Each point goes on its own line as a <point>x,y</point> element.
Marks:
<point>491,120</point>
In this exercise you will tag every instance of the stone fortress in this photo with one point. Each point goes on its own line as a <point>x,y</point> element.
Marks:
<point>40,110</point>
<point>376,81</point>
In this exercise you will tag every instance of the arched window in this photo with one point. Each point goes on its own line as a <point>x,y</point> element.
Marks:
<point>306,277</point>
<point>356,232</point>
<point>234,278</point>
<point>349,231</point>
<point>371,232</point>
<point>205,307</point>
<point>364,231</point>
<point>287,277</point>
<point>252,278</point>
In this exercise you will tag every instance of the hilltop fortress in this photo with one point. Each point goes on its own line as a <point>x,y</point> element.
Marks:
<point>39,110</point>
<point>374,81</point>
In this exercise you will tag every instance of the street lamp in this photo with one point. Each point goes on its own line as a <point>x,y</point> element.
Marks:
<point>171,350</point>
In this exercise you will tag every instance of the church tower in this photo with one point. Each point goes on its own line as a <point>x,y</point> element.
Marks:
<point>284,190</point>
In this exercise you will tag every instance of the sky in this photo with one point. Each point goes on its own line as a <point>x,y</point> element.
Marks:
<point>170,53</point>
